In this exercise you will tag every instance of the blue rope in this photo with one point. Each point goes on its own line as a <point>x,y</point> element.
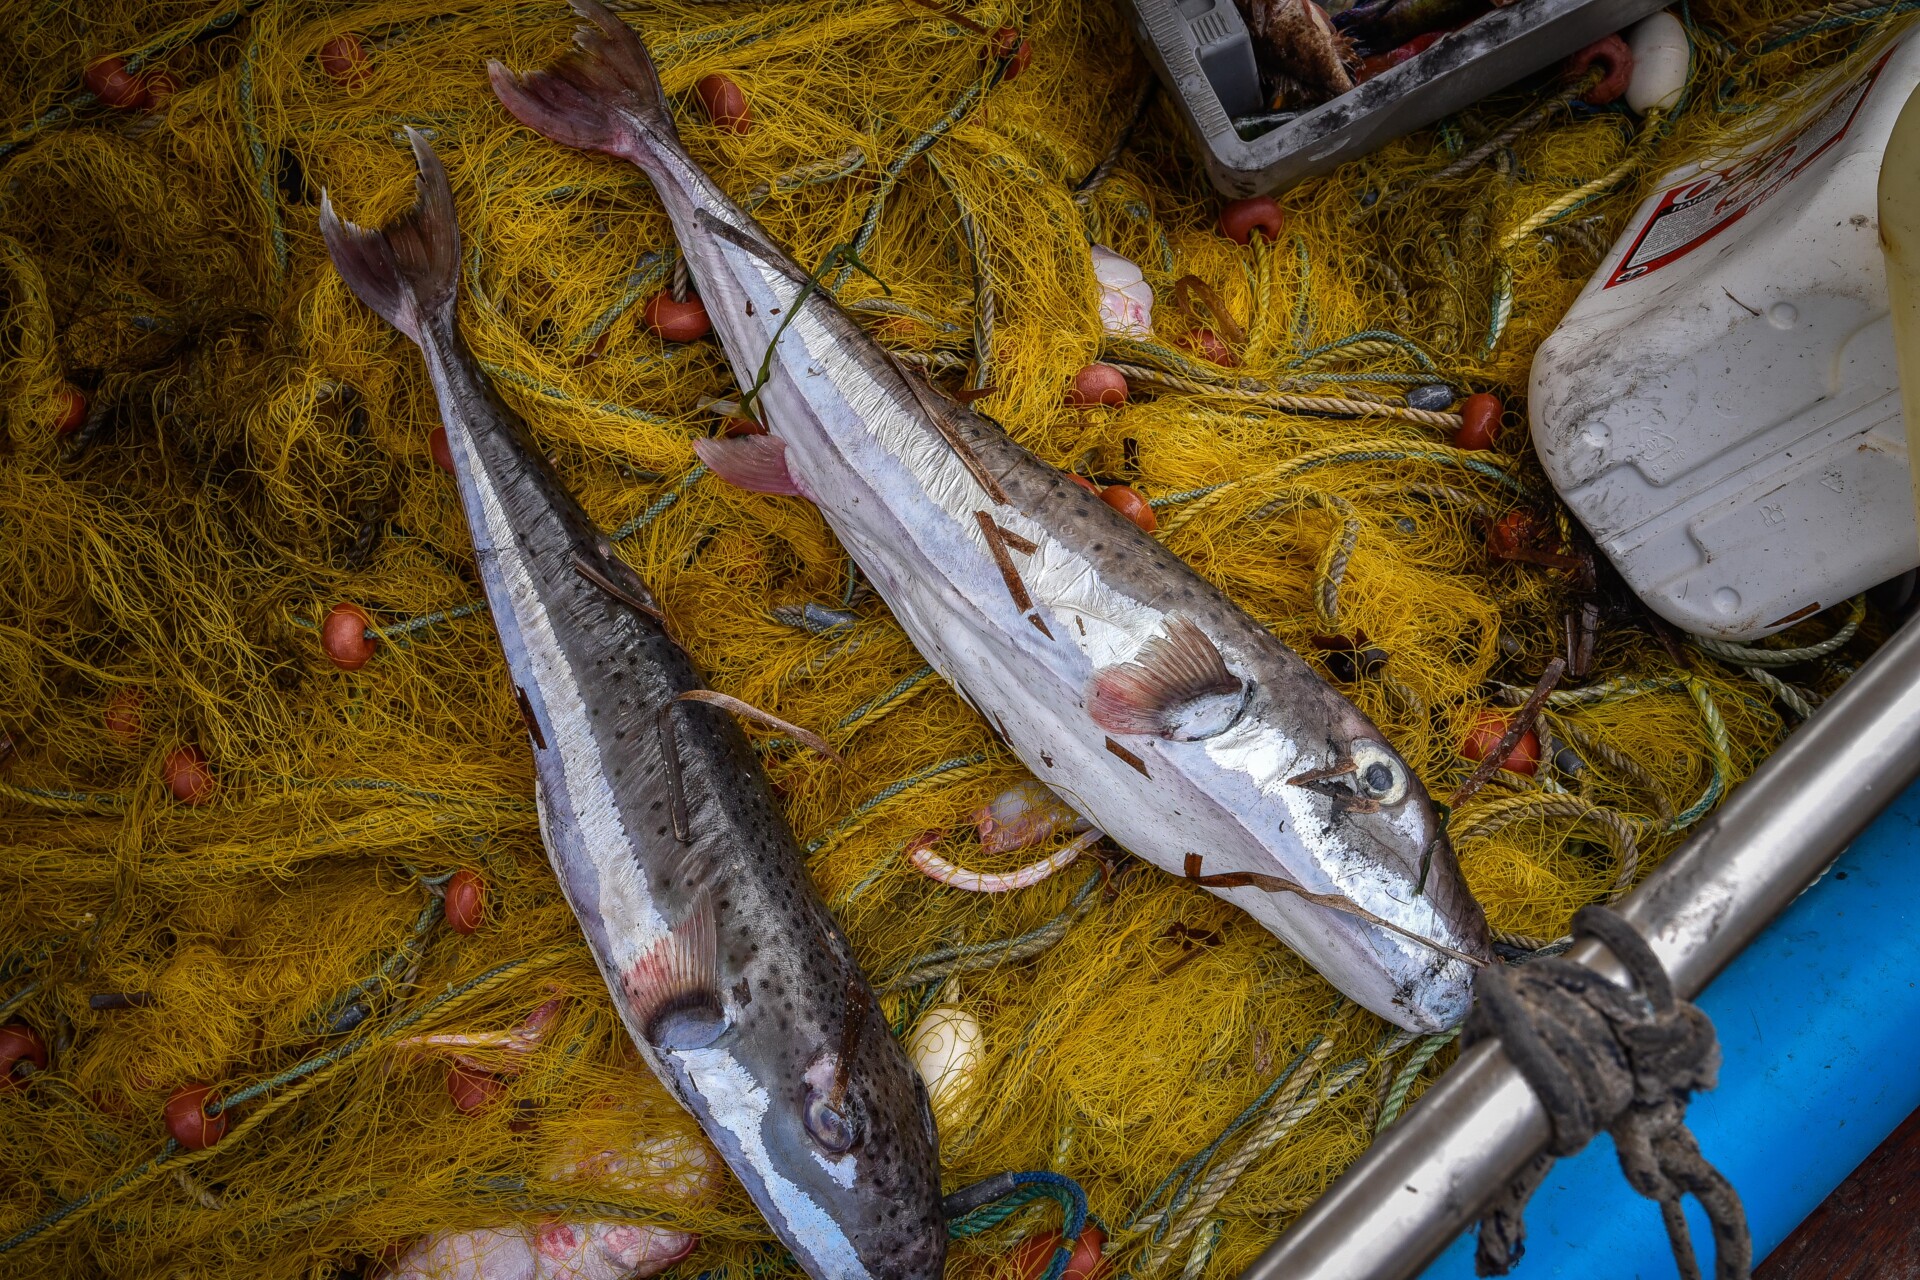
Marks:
<point>659,505</point>
<point>1190,1168</point>
<point>257,150</point>
<point>987,1204</point>
<point>552,392</point>
<point>889,792</point>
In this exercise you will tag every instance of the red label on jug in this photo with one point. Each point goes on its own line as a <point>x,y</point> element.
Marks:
<point>1695,211</point>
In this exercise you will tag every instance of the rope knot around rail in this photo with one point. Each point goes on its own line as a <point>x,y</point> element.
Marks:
<point>1626,1060</point>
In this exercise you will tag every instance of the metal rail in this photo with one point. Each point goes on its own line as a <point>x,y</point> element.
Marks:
<point>1427,1177</point>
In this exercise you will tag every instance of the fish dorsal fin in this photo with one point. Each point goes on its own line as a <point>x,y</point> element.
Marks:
<point>674,989</point>
<point>757,464</point>
<point>1178,687</point>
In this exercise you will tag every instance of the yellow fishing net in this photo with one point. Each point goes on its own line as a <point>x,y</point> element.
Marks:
<point>256,451</point>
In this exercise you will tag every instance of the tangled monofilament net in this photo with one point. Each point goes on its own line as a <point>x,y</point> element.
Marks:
<point>257,452</point>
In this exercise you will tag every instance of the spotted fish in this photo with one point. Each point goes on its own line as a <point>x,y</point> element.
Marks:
<point>739,989</point>
<point>1131,687</point>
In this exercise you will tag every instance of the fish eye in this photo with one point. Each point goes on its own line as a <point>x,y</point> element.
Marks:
<point>1378,775</point>
<point>835,1129</point>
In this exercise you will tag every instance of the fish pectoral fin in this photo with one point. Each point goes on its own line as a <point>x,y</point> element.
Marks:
<point>1178,687</point>
<point>674,989</point>
<point>757,464</point>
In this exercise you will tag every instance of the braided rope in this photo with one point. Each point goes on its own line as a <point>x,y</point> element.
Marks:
<point>505,373</point>
<point>1355,451</point>
<point>1366,343</point>
<point>1395,1100</point>
<point>1821,18</point>
<point>659,504</point>
<point>257,152</point>
<point>1142,98</point>
<point>1205,1241</point>
<point>1649,130</point>
<point>1496,815</point>
<point>971,957</point>
<point>1588,743</point>
<point>1338,405</point>
<point>1744,655</point>
<point>1525,124</point>
<point>983,299</point>
<point>1796,701</point>
<point>302,1079</point>
<point>966,766</point>
<point>890,176</point>
<point>98,802</point>
<point>1331,569</point>
<point>1287,1111</point>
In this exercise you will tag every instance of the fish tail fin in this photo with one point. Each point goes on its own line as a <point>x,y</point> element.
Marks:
<point>602,95</point>
<point>409,269</point>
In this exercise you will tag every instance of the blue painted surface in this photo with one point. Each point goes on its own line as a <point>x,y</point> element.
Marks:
<point>1819,1026</point>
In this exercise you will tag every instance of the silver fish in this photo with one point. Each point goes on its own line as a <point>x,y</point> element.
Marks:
<point>1138,692</point>
<point>739,989</point>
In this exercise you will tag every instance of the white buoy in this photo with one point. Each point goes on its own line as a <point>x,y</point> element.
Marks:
<point>1661,56</point>
<point>946,1048</point>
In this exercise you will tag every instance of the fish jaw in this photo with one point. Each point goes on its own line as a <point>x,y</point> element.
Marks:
<point>1293,773</point>
<point>827,1208</point>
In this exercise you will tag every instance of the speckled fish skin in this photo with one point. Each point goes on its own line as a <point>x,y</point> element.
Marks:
<point>858,435</point>
<point>753,1038</point>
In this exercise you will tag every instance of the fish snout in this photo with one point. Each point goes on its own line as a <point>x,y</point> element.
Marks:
<point>1440,1002</point>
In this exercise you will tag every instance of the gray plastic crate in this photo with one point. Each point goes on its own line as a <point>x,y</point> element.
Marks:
<point>1187,39</point>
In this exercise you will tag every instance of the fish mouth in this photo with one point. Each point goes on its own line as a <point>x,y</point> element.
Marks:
<point>859,1215</point>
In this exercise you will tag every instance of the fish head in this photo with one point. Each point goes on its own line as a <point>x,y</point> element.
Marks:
<point>829,1128</point>
<point>1393,905</point>
<point>1334,843</point>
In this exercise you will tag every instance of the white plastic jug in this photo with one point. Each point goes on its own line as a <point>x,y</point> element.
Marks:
<point>1720,406</point>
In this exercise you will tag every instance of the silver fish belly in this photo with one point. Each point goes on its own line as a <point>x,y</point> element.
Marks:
<point>733,980</point>
<point>1130,686</point>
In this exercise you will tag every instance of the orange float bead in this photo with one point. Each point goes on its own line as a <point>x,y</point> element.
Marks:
<point>1032,1256</point>
<point>123,714</point>
<point>187,776</point>
<point>1098,384</point>
<point>1616,60</point>
<point>113,84</point>
<point>1512,533</point>
<point>1210,346</point>
<point>466,904</point>
<point>1005,45</point>
<point>735,427</point>
<point>470,1089</point>
<point>344,638</point>
<point>1374,64</point>
<point>20,1046</point>
<point>1488,728</point>
<point>678,321</point>
<point>188,1121</point>
<point>1084,483</point>
<point>1239,219</point>
<point>344,60</point>
<point>726,103</point>
<point>1479,422</point>
<point>1129,504</point>
<point>441,450</point>
<point>69,409</point>
<point>160,85</point>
